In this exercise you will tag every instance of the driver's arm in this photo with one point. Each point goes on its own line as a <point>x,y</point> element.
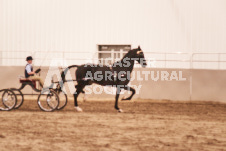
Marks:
<point>28,68</point>
<point>31,73</point>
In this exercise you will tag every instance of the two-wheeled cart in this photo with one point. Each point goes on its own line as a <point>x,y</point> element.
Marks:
<point>49,99</point>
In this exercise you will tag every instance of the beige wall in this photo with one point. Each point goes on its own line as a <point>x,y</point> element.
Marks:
<point>207,85</point>
<point>79,25</point>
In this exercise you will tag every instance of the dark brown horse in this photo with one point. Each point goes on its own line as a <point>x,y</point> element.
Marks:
<point>117,75</point>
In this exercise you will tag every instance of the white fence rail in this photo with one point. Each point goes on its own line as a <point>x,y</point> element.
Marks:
<point>208,61</point>
<point>182,60</point>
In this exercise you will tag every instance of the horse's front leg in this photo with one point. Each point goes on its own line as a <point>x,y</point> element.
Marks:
<point>116,99</point>
<point>129,89</point>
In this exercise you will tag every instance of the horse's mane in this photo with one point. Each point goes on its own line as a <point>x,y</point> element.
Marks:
<point>129,53</point>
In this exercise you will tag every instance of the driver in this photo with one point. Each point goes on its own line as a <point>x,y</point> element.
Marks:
<point>30,74</point>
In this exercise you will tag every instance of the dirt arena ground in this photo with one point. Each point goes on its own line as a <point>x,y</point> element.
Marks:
<point>145,125</point>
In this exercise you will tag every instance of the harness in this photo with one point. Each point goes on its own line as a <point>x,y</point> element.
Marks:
<point>115,74</point>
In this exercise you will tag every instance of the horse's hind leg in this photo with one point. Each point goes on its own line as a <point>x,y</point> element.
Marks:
<point>82,91</point>
<point>76,94</point>
<point>116,100</point>
<point>129,89</point>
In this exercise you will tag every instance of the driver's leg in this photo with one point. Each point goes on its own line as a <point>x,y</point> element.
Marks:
<point>37,78</point>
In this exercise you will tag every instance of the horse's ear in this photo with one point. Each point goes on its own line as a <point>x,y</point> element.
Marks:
<point>139,47</point>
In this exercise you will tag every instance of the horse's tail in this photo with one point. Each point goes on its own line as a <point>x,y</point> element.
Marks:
<point>63,73</point>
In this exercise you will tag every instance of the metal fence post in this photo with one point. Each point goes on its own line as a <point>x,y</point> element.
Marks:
<point>219,61</point>
<point>191,68</point>
<point>1,61</point>
<point>165,60</point>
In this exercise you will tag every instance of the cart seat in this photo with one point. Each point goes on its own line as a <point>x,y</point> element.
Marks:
<point>25,80</point>
<point>28,81</point>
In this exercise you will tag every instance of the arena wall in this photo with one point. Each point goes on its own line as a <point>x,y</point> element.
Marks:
<point>182,84</point>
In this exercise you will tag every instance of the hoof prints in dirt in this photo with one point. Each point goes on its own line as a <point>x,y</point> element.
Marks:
<point>145,126</point>
<point>1,136</point>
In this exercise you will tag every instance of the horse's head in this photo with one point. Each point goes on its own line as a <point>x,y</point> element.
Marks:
<point>139,55</point>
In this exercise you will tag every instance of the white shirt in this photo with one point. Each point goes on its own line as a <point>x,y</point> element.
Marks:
<point>28,68</point>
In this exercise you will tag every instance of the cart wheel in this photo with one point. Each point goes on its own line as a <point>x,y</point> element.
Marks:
<point>63,100</point>
<point>9,100</point>
<point>20,97</point>
<point>2,106</point>
<point>48,100</point>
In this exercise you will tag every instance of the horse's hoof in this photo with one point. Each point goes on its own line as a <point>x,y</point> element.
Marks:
<point>78,109</point>
<point>125,99</point>
<point>120,110</point>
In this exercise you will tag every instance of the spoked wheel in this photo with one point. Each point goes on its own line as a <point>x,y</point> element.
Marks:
<point>48,100</point>
<point>63,100</point>
<point>20,97</point>
<point>9,100</point>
